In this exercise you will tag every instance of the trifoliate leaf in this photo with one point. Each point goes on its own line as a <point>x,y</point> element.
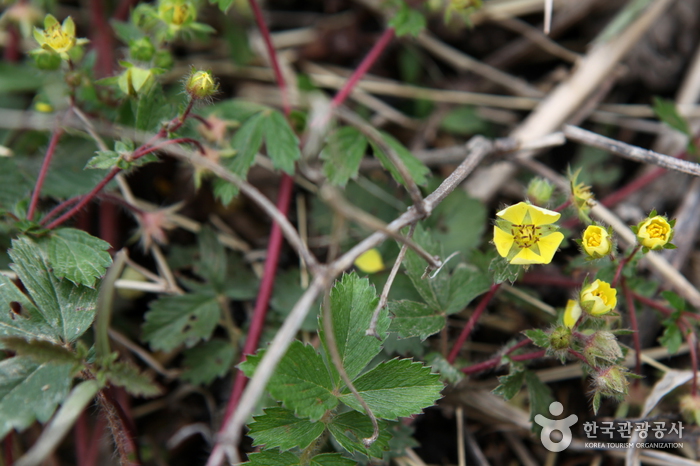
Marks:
<point>135,382</point>
<point>540,398</point>
<point>206,362</point>
<point>280,428</point>
<point>273,458</point>
<point>412,319</point>
<point>183,319</point>
<point>348,429</point>
<point>353,301</point>
<point>301,381</point>
<point>281,142</point>
<point>67,308</point>
<point>396,388</point>
<point>78,256</point>
<point>30,391</point>
<point>343,154</point>
<point>510,385</point>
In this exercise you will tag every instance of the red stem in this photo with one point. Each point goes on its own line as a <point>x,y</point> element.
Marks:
<point>467,330</point>
<point>578,355</point>
<point>563,206</point>
<point>43,172</point>
<point>12,48</point>
<point>84,199</point>
<point>7,448</point>
<point>635,327</point>
<point>365,65</point>
<point>633,186</point>
<point>123,9</point>
<point>82,439</point>
<point>101,39</point>
<point>57,210</point>
<point>93,450</point>
<point>494,361</point>
<point>622,265</point>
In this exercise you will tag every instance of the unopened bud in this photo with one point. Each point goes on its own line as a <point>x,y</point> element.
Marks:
<point>201,85</point>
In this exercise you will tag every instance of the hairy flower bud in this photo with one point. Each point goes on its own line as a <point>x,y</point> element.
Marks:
<point>602,349</point>
<point>596,242</point>
<point>655,232</point>
<point>612,382</point>
<point>142,49</point>
<point>598,298</point>
<point>539,191</point>
<point>201,84</point>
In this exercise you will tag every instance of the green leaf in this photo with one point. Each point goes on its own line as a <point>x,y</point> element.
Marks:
<point>286,293</point>
<point>135,382</point>
<point>103,159</point>
<point>415,167</point>
<point>280,428</point>
<point>343,155</point>
<point>152,109</point>
<point>247,142</point>
<point>667,112</point>
<point>206,362</point>
<point>540,398</point>
<point>68,309</point>
<point>331,459</point>
<point>212,260</point>
<point>78,256</point>
<point>40,351</point>
<point>14,184</point>
<point>184,319</point>
<point>281,142</point>
<point>538,336</point>
<point>396,388</point>
<point>353,301</point>
<point>674,300</point>
<point>448,372</point>
<point>407,21</point>
<point>458,223</point>
<point>464,121</point>
<point>302,381</point>
<point>510,385</point>
<point>348,429</point>
<point>20,317</point>
<point>30,391</point>
<point>413,319</point>
<point>465,285</point>
<point>434,291</point>
<point>235,110</point>
<point>19,77</point>
<point>273,458</point>
<point>672,338</point>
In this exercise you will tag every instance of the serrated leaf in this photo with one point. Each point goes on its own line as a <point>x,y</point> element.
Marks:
<point>407,21</point>
<point>152,108</point>
<point>672,338</point>
<point>343,155</point>
<point>353,301</point>
<point>674,300</point>
<point>20,317</point>
<point>78,256</point>
<point>412,319</point>
<point>40,351</point>
<point>30,391</point>
<point>540,398</point>
<point>184,319</point>
<point>348,429</point>
<point>434,291</point>
<point>281,142</point>
<point>234,110</point>
<point>14,184</point>
<point>465,285</point>
<point>396,388</point>
<point>103,159</point>
<point>67,308</point>
<point>129,377</point>
<point>510,385</point>
<point>331,459</point>
<point>212,264</point>
<point>538,336</point>
<point>280,428</point>
<point>302,381</point>
<point>272,458</point>
<point>414,166</point>
<point>206,362</point>
<point>448,372</point>
<point>247,142</point>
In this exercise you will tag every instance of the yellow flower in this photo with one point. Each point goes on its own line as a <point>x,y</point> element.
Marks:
<point>581,196</point>
<point>571,313</point>
<point>655,232</point>
<point>596,242</point>
<point>56,37</point>
<point>524,234</point>
<point>370,261</point>
<point>598,298</point>
<point>177,13</point>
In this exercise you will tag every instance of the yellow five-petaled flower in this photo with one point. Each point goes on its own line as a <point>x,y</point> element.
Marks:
<point>655,232</point>
<point>524,234</point>
<point>57,37</point>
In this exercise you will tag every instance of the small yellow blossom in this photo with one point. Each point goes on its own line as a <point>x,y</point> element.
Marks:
<point>581,196</point>
<point>370,261</point>
<point>525,234</point>
<point>572,313</point>
<point>56,37</point>
<point>598,298</point>
<point>596,242</point>
<point>177,13</point>
<point>655,232</point>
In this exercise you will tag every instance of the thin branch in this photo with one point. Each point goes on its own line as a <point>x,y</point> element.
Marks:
<point>629,299</point>
<point>629,151</point>
<point>471,323</point>
<point>43,172</point>
<point>384,297</point>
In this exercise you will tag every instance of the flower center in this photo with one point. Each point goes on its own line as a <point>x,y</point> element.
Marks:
<point>657,230</point>
<point>57,39</point>
<point>595,240</point>
<point>525,236</point>
<point>601,295</point>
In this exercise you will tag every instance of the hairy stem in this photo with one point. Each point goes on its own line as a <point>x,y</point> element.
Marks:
<point>471,323</point>
<point>496,360</point>
<point>635,327</point>
<point>43,172</point>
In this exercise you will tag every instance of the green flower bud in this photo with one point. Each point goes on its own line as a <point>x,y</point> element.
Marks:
<point>602,349</point>
<point>164,59</point>
<point>612,382</point>
<point>539,191</point>
<point>46,60</point>
<point>201,84</point>
<point>142,49</point>
<point>560,338</point>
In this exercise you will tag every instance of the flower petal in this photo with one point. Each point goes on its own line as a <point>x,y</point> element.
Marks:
<point>542,216</point>
<point>527,256</point>
<point>549,245</point>
<point>503,241</point>
<point>515,213</point>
